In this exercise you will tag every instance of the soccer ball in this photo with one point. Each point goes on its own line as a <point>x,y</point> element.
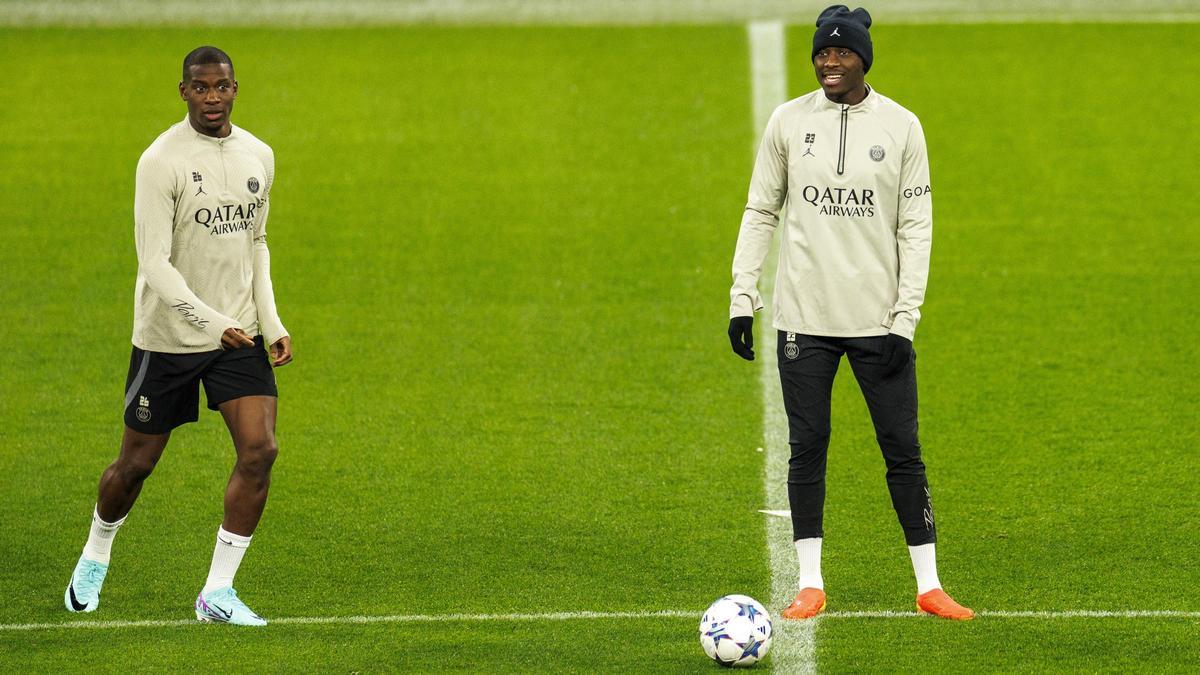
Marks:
<point>736,631</point>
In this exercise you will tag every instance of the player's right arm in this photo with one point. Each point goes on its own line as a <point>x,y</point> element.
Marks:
<point>768,190</point>
<point>153,224</point>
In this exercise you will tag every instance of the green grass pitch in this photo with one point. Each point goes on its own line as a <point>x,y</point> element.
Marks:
<point>503,255</point>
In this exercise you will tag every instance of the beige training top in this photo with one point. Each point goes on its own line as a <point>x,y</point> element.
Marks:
<point>200,225</point>
<point>859,219</point>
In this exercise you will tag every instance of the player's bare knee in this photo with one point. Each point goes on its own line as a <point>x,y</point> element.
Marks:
<point>257,457</point>
<point>133,469</point>
<point>139,455</point>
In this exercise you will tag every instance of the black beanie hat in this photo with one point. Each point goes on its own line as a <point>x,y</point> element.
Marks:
<point>837,26</point>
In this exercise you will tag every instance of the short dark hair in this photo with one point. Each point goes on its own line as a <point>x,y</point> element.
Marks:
<point>203,56</point>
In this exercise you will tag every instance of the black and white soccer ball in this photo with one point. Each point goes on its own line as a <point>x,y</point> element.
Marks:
<point>735,631</point>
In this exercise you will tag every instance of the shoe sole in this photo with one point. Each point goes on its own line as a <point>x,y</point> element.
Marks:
<point>204,618</point>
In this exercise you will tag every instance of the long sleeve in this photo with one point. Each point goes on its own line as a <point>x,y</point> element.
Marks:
<point>264,293</point>
<point>914,233</point>
<point>153,216</point>
<point>768,190</point>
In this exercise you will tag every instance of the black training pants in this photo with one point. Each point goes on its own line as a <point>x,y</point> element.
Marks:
<point>807,366</point>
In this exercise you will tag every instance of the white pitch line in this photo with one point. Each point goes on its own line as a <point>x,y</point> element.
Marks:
<point>586,615</point>
<point>381,618</point>
<point>1033,614</point>
<point>793,650</point>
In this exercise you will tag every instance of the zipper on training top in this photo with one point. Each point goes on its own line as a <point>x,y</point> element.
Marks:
<point>841,168</point>
<point>225,175</point>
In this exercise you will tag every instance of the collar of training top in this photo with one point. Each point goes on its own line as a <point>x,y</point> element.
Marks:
<point>870,102</point>
<point>233,131</point>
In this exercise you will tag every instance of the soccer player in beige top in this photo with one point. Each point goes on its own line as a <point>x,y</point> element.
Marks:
<point>851,168</point>
<point>204,311</point>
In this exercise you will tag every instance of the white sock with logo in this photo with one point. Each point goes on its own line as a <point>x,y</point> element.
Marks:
<point>226,558</point>
<point>100,538</point>
<point>924,560</point>
<point>809,553</point>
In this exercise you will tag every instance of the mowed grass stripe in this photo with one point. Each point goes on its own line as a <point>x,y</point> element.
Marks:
<point>518,225</point>
<point>490,245</point>
<point>326,13</point>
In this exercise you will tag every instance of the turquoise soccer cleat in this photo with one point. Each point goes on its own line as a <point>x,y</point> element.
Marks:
<point>223,606</point>
<point>83,591</point>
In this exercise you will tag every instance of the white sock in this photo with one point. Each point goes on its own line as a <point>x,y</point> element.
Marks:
<point>100,538</point>
<point>924,561</point>
<point>226,558</point>
<point>809,553</point>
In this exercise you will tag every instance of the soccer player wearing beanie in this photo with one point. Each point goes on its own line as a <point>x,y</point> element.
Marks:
<point>851,167</point>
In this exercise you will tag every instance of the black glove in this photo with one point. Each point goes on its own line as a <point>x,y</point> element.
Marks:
<point>898,350</point>
<point>741,336</point>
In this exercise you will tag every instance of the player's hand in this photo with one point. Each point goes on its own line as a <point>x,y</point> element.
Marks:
<point>235,338</point>
<point>281,351</point>
<point>741,336</point>
<point>899,351</point>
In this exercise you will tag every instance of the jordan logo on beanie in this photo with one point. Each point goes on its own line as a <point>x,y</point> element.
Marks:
<point>838,26</point>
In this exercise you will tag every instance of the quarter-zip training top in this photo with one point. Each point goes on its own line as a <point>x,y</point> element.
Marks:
<point>200,227</point>
<point>853,184</point>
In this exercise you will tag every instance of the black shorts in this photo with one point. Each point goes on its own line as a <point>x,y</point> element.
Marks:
<point>162,391</point>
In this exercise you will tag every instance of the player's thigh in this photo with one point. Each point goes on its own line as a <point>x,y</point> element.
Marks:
<point>162,391</point>
<point>251,423</point>
<point>807,368</point>
<point>241,385</point>
<point>891,396</point>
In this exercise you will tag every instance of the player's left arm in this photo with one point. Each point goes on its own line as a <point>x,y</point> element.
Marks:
<point>275,335</point>
<point>914,233</point>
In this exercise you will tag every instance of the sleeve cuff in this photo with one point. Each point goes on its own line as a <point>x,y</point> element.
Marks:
<point>216,329</point>
<point>904,324</point>
<point>744,305</point>
<point>273,331</point>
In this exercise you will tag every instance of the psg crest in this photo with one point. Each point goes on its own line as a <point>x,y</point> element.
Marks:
<point>253,182</point>
<point>877,153</point>
<point>791,350</point>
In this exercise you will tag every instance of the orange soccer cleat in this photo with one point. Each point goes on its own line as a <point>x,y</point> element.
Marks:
<point>809,602</point>
<point>937,603</point>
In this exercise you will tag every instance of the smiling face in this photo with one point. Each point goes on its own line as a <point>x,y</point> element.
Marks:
<point>840,72</point>
<point>209,90</point>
